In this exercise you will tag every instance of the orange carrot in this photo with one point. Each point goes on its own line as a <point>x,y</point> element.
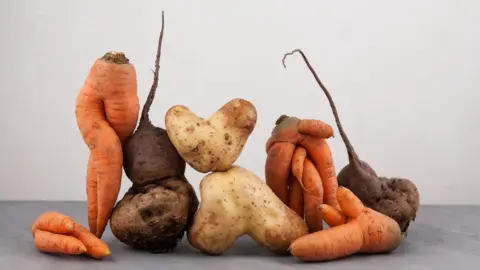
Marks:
<point>298,159</point>
<point>293,130</point>
<point>58,243</point>
<point>53,222</point>
<point>107,109</point>
<point>95,247</point>
<point>92,178</point>
<point>332,216</point>
<point>295,199</point>
<point>313,196</point>
<point>316,128</point>
<point>320,154</point>
<point>367,231</point>
<point>277,169</point>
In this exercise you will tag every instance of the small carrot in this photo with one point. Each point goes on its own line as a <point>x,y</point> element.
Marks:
<point>298,159</point>
<point>316,128</point>
<point>277,169</point>
<point>313,196</point>
<point>95,247</point>
<point>58,243</point>
<point>53,222</point>
<point>367,231</point>
<point>320,154</point>
<point>295,197</point>
<point>107,109</point>
<point>332,216</point>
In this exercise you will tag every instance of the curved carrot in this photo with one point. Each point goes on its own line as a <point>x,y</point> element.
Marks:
<point>350,204</point>
<point>298,159</point>
<point>320,154</point>
<point>313,196</point>
<point>367,231</point>
<point>295,197</point>
<point>95,247</point>
<point>109,93</point>
<point>332,216</point>
<point>277,169</point>
<point>316,128</point>
<point>53,222</point>
<point>333,243</point>
<point>58,243</point>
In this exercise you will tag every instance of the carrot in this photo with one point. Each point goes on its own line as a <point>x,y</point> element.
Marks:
<point>332,216</point>
<point>367,231</point>
<point>293,130</point>
<point>58,243</point>
<point>295,197</point>
<point>107,109</point>
<point>53,222</point>
<point>92,178</point>
<point>298,159</point>
<point>313,194</point>
<point>320,154</point>
<point>277,169</point>
<point>95,247</point>
<point>314,127</point>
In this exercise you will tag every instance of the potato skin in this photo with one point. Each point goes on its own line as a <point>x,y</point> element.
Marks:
<point>212,144</point>
<point>155,217</point>
<point>236,202</point>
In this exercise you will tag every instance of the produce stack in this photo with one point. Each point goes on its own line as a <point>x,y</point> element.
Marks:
<point>285,213</point>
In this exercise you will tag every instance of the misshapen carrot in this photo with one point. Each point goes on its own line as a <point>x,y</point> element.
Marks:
<point>52,226</point>
<point>297,162</point>
<point>107,109</point>
<point>367,231</point>
<point>53,222</point>
<point>295,197</point>
<point>95,247</point>
<point>320,154</point>
<point>277,169</point>
<point>313,196</point>
<point>58,243</point>
<point>332,216</point>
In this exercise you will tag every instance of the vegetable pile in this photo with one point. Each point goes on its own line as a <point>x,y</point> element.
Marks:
<point>397,198</point>
<point>284,214</point>
<point>156,211</point>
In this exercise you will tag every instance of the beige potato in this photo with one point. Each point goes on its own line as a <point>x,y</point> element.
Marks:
<point>235,203</point>
<point>212,144</point>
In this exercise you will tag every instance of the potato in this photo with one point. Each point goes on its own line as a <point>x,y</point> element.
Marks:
<point>212,144</point>
<point>235,203</point>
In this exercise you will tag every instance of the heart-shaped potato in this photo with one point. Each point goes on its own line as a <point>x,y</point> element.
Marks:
<point>212,144</point>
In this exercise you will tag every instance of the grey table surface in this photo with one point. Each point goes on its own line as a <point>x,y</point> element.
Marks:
<point>442,237</point>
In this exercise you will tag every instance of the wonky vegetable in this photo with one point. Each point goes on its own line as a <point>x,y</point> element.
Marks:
<point>298,150</point>
<point>397,198</point>
<point>155,212</point>
<point>106,111</point>
<point>365,231</point>
<point>212,144</point>
<point>235,203</point>
<point>54,232</point>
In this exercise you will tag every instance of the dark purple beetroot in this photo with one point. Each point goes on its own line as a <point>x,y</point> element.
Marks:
<point>157,210</point>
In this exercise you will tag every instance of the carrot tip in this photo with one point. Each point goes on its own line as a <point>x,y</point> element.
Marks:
<point>107,252</point>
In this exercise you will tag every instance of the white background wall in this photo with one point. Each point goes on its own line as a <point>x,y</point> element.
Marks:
<point>404,75</point>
